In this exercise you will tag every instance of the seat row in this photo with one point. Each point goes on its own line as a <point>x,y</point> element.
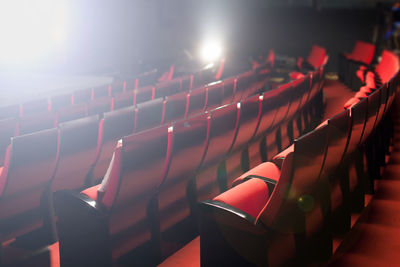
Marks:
<point>144,196</point>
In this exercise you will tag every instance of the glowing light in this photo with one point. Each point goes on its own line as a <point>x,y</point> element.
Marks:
<point>211,51</point>
<point>30,29</point>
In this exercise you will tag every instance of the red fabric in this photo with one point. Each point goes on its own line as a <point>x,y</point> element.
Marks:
<point>266,170</point>
<point>249,196</point>
<point>188,256</point>
<point>271,58</point>
<point>365,89</point>
<point>317,56</point>
<point>4,170</point>
<point>352,101</point>
<point>294,75</point>
<point>299,62</point>
<point>363,52</point>
<point>278,159</point>
<point>360,95</point>
<point>360,75</point>
<point>221,69</point>
<point>92,192</point>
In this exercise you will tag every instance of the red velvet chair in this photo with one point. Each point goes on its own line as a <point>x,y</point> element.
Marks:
<point>229,90</point>
<point>196,101</point>
<point>215,95</point>
<point>71,112</point>
<point>36,122</point>
<point>123,99</point>
<point>58,102</point>
<point>148,115</point>
<point>99,106</point>
<point>175,107</point>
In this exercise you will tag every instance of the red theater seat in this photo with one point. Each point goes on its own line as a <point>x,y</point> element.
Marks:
<point>36,122</point>
<point>229,90</point>
<point>82,96</point>
<point>317,56</point>
<point>148,114</point>
<point>215,93</point>
<point>175,107</point>
<point>71,112</point>
<point>244,87</point>
<point>196,101</point>
<point>363,52</point>
<point>29,165</point>
<point>143,94</point>
<point>373,109</point>
<point>127,194</point>
<point>99,106</point>
<point>167,88</point>
<point>122,100</point>
<point>115,125</point>
<point>77,152</point>
<point>117,88</point>
<point>352,101</point>
<point>189,144</point>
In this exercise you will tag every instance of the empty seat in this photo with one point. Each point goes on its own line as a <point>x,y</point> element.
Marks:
<point>101,91</point>
<point>60,101</point>
<point>284,100</point>
<point>148,114</point>
<point>147,78</point>
<point>27,171</point>
<point>186,83</point>
<point>196,101</point>
<point>244,85</point>
<point>81,96</point>
<point>215,93</point>
<point>36,122</point>
<point>189,143</point>
<point>143,94</point>
<point>373,109</point>
<point>127,194</point>
<point>122,100</point>
<point>167,88</point>
<point>7,130</point>
<point>35,106</point>
<point>317,56</point>
<point>175,107</point>
<point>115,125</point>
<point>71,112</point>
<point>11,111</point>
<point>99,106</point>
<point>77,153</point>
<point>116,88</point>
<point>362,52</point>
<point>229,90</point>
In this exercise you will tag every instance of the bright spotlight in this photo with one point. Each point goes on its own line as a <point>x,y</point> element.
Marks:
<point>211,51</point>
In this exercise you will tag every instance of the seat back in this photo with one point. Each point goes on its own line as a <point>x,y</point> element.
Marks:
<point>116,88</point>
<point>11,111</point>
<point>383,103</point>
<point>115,125</point>
<point>147,78</point>
<point>36,122</point>
<point>270,105</point>
<point>363,52</point>
<point>58,102</point>
<point>373,109</point>
<point>82,96</point>
<point>101,91</point>
<point>71,112</point>
<point>99,106</point>
<point>229,90</point>
<point>138,167</point>
<point>77,153</point>
<point>35,106</point>
<point>284,100</point>
<point>316,56</point>
<point>196,101</point>
<point>358,114</point>
<point>28,168</point>
<point>186,83</point>
<point>175,107</point>
<point>123,99</point>
<point>215,93</point>
<point>297,90</point>
<point>166,88</point>
<point>190,139</point>
<point>243,85</point>
<point>249,118</point>
<point>143,94</point>
<point>148,114</point>
<point>7,130</point>
<point>388,66</point>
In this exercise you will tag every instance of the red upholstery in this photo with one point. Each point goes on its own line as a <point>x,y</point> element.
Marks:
<point>190,139</point>
<point>92,192</point>
<point>116,88</point>
<point>358,113</point>
<point>249,196</point>
<point>266,170</point>
<point>370,80</point>
<point>148,114</point>
<point>373,109</point>
<point>143,94</point>
<point>116,124</point>
<point>215,93</point>
<point>229,90</point>
<point>196,101</point>
<point>279,158</point>
<point>270,106</point>
<point>352,101</point>
<point>71,112</point>
<point>188,256</point>
<point>7,130</point>
<point>123,99</point>
<point>174,107</point>
<point>82,96</point>
<point>166,88</point>
<point>360,95</point>
<point>243,85</point>
<point>27,171</point>
<point>220,70</point>
<point>388,66</point>
<point>317,56</point>
<point>77,152</point>
<point>365,89</point>
<point>35,106</point>
<point>296,75</point>
<point>131,182</point>
<point>363,52</point>
<point>36,122</point>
